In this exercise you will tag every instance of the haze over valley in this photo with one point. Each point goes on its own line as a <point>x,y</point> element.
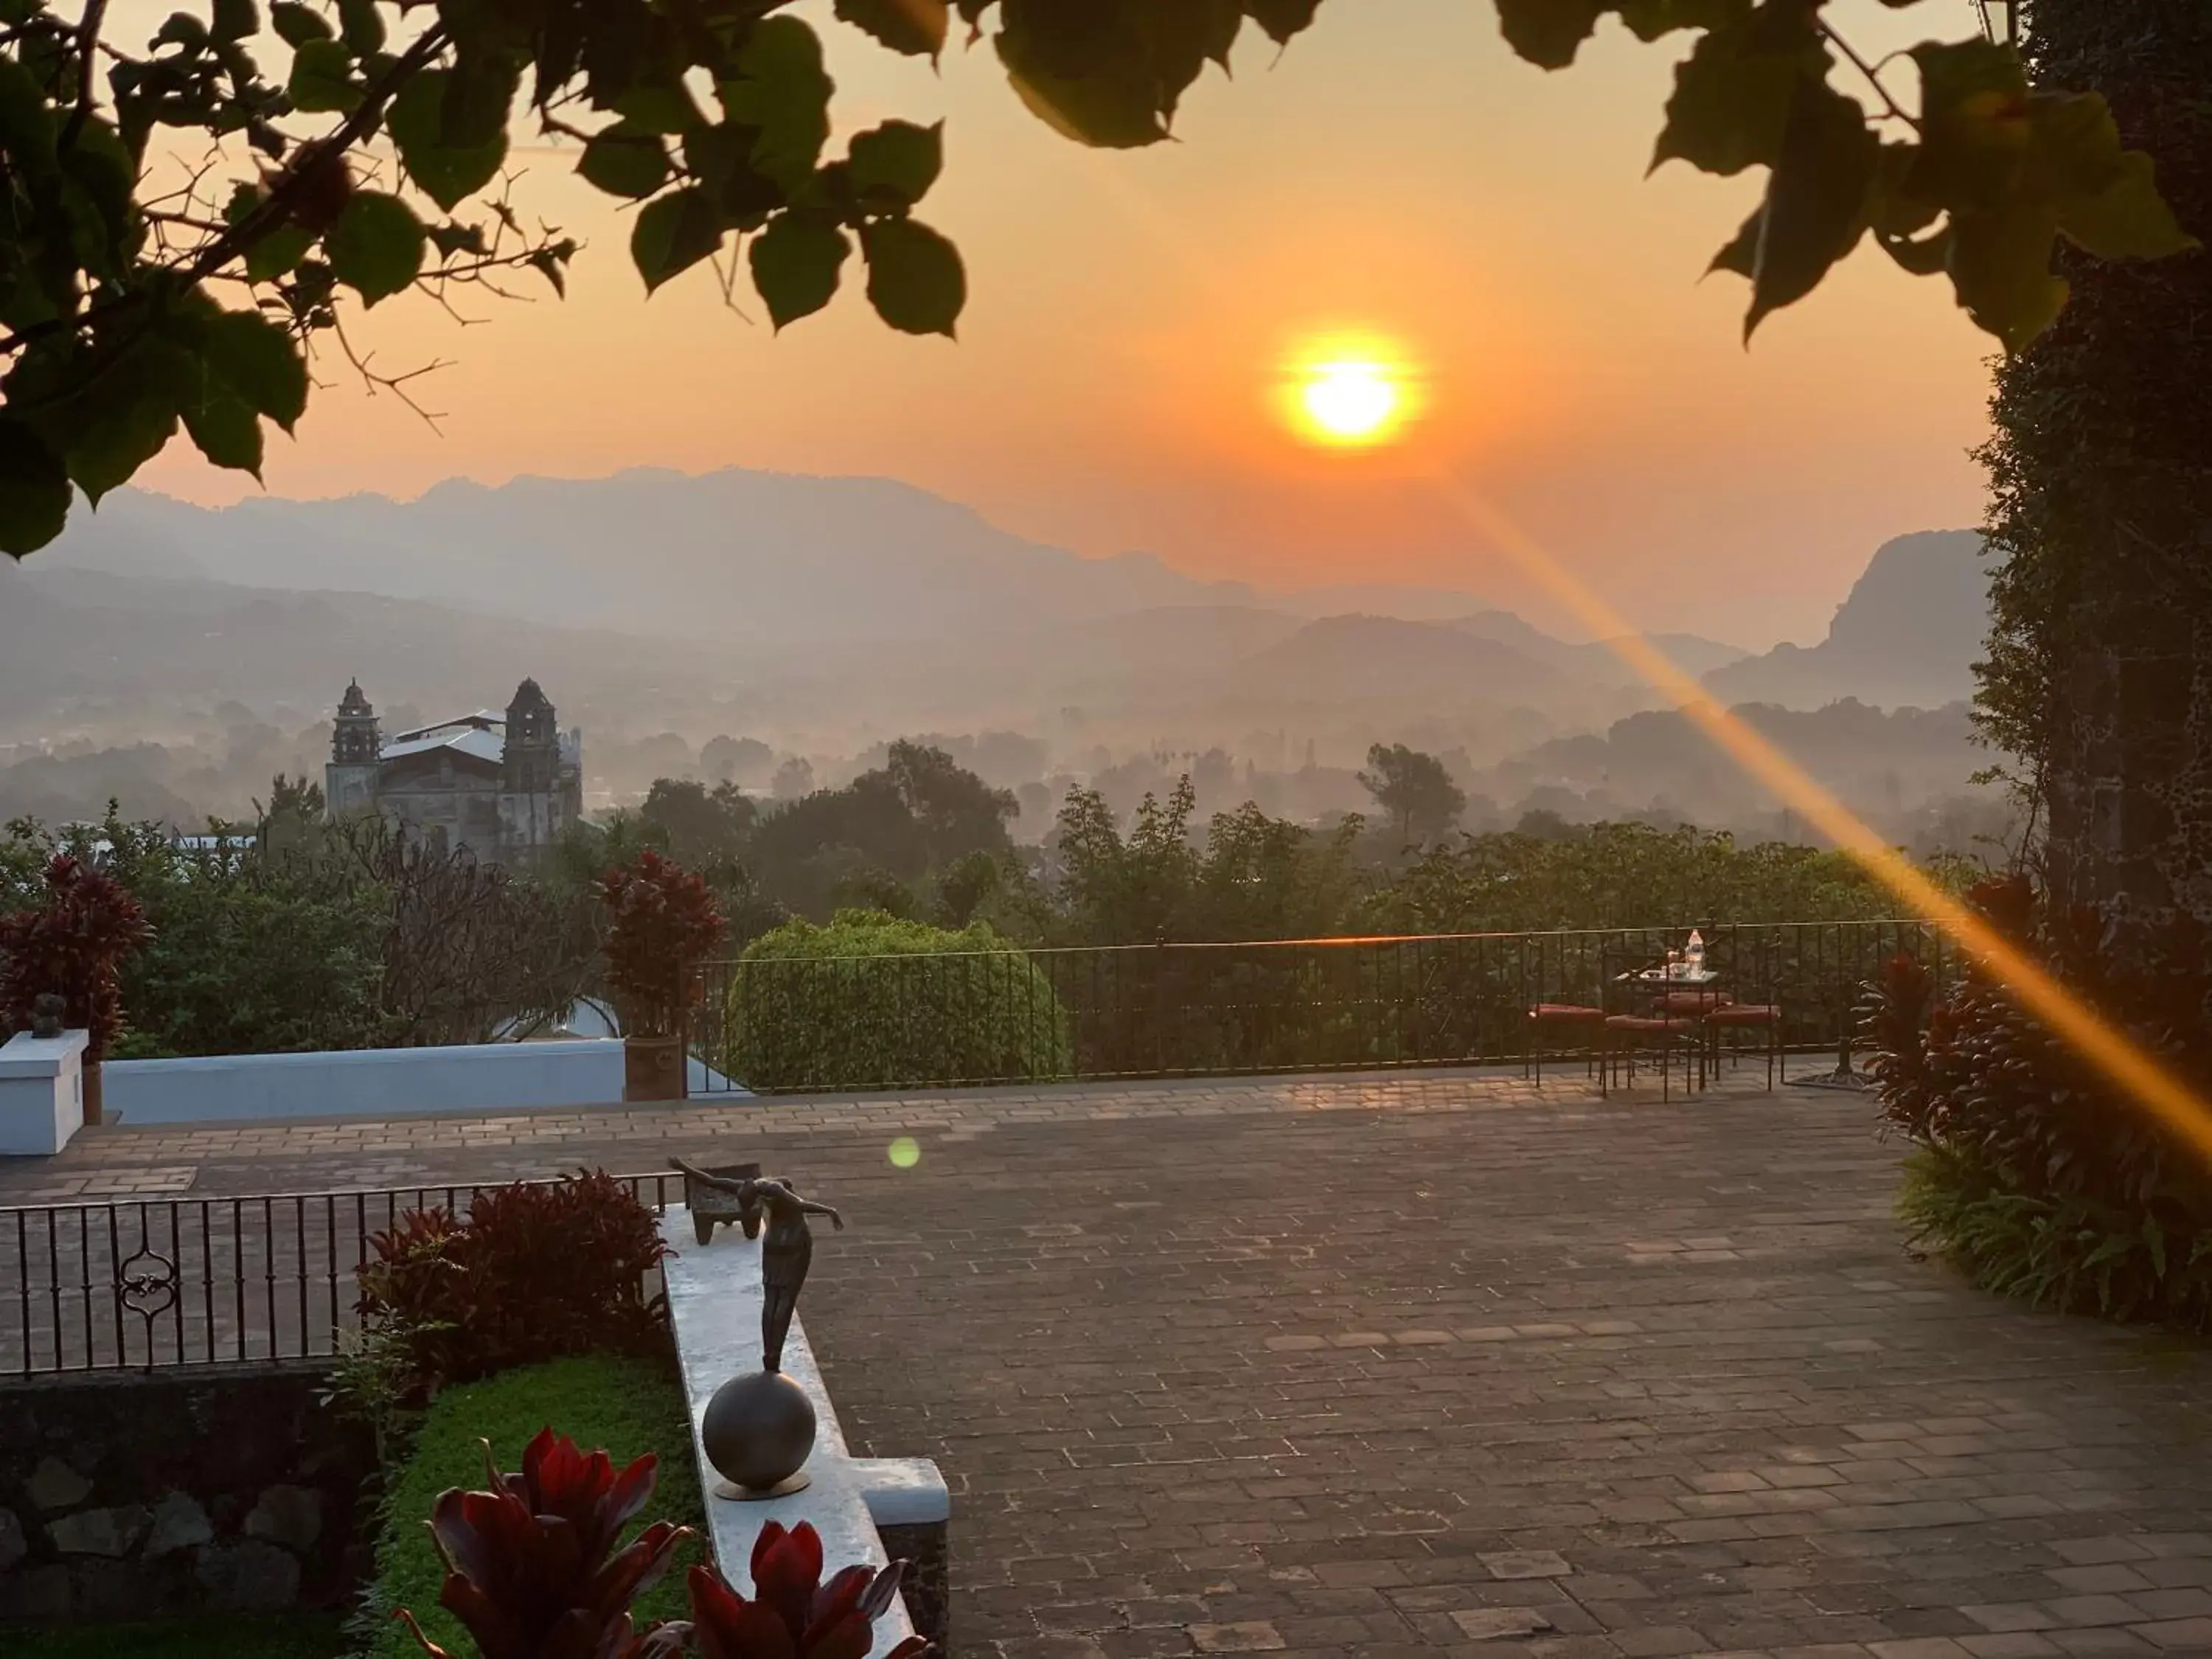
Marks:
<point>776,630</point>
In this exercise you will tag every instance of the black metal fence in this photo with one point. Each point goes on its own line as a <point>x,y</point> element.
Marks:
<point>795,1024</point>
<point>147,1283</point>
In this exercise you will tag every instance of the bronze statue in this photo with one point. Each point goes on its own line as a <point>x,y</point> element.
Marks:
<point>785,1251</point>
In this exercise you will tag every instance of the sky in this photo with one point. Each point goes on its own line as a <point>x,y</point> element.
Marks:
<point>1395,174</point>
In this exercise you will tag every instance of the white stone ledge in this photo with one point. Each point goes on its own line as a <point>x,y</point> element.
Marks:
<point>714,1304</point>
<point>375,1082</point>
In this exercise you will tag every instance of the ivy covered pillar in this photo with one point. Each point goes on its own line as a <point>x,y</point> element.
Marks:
<point>2100,674</point>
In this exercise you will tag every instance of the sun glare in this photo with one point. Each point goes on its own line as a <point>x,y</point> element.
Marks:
<point>1351,402</point>
<point>1348,393</point>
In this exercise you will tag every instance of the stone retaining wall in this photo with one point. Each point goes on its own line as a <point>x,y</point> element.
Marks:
<point>138,1496</point>
<point>926,1590</point>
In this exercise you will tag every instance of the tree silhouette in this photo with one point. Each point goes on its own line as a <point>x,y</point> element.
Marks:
<point>1415,791</point>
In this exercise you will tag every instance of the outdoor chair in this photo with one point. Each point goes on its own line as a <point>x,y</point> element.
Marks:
<point>1628,1035</point>
<point>1563,1016</point>
<point>1750,1016</point>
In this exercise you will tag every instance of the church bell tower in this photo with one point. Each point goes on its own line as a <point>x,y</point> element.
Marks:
<point>357,745</point>
<point>531,802</point>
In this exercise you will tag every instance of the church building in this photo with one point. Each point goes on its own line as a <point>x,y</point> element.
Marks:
<point>503,786</point>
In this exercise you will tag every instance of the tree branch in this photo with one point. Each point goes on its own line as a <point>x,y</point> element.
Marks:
<point>1866,69</point>
<point>95,12</point>
<point>273,211</point>
<point>277,206</point>
<point>395,384</point>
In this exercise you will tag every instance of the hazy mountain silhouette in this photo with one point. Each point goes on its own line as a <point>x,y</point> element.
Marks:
<point>833,601</point>
<point>1907,634</point>
<point>1882,759</point>
<point>1597,659</point>
<point>1341,659</point>
<point>69,634</point>
<point>742,557</point>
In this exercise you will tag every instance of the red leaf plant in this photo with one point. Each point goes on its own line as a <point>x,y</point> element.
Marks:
<point>662,923</point>
<point>531,1566</point>
<point>793,1615</point>
<point>541,1269</point>
<point>74,949</point>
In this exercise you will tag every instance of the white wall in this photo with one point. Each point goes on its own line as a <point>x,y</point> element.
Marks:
<point>371,1083</point>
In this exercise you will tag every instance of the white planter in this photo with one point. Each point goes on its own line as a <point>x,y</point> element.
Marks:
<point>41,1093</point>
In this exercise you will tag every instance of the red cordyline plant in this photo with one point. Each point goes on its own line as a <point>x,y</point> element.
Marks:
<point>531,1569</point>
<point>792,1614</point>
<point>662,922</point>
<point>73,949</point>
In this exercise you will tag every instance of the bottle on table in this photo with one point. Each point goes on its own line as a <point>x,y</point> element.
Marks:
<point>1693,958</point>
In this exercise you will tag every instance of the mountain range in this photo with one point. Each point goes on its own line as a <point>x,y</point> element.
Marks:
<point>791,600</point>
<point>744,558</point>
<point>1908,634</point>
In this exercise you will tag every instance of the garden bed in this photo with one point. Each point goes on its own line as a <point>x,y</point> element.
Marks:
<point>216,1636</point>
<point>628,1406</point>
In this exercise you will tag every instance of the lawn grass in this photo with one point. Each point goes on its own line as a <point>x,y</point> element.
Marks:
<point>214,1635</point>
<point>628,1406</point>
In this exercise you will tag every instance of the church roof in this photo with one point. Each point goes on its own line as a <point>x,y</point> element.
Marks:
<point>483,720</point>
<point>469,740</point>
<point>355,701</point>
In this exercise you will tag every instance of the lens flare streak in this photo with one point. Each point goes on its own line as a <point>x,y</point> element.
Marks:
<point>2105,1046</point>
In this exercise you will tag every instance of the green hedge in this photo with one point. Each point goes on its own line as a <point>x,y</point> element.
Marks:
<point>628,1407</point>
<point>872,1001</point>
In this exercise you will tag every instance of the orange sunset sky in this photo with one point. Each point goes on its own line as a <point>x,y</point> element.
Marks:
<point>1115,387</point>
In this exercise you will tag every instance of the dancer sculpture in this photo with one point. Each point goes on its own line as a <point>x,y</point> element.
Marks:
<point>785,1252</point>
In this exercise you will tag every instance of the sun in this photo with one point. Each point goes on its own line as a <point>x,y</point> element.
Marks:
<point>1348,393</point>
<point>1350,402</point>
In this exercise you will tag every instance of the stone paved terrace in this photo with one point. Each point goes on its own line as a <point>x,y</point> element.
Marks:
<point>1389,1366</point>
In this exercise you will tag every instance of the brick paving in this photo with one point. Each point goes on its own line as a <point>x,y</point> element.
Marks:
<point>1377,1366</point>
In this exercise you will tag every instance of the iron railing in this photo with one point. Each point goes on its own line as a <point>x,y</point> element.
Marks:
<point>777,1024</point>
<point>147,1283</point>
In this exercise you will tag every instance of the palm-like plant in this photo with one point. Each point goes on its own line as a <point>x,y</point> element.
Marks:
<point>792,1613</point>
<point>531,1569</point>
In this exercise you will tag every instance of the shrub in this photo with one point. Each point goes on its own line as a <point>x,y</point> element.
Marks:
<point>661,926</point>
<point>241,964</point>
<point>2073,1253</point>
<point>872,1001</point>
<point>538,1270</point>
<point>1629,875</point>
<point>627,1406</point>
<point>2039,1173</point>
<point>72,948</point>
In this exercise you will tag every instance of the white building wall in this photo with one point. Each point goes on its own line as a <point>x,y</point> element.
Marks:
<point>374,1082</point>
